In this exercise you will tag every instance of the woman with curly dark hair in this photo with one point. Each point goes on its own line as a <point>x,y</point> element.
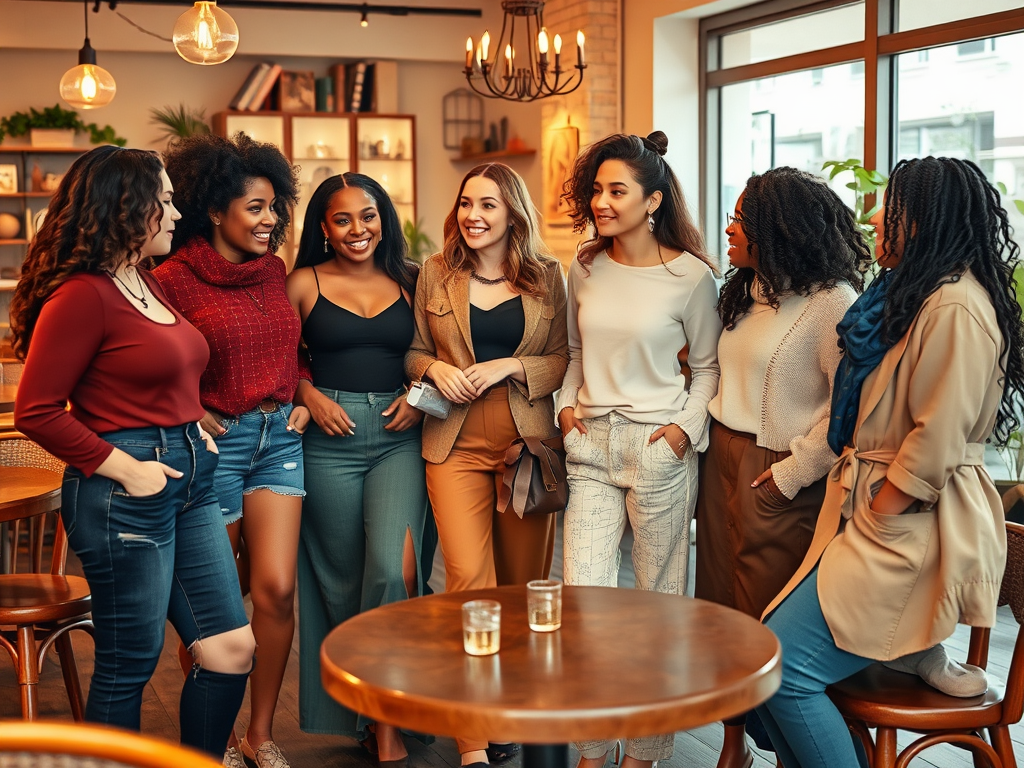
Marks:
<point>365,513</point>
<point>910,539</point>
<point>640,290</point>
<point>96,330</point>
<point>797,257</point>
<point>236,198</point>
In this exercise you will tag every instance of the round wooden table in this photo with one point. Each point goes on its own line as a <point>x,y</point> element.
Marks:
<point>624,663</point>
<point>7,395</point>
<point>24,492</point>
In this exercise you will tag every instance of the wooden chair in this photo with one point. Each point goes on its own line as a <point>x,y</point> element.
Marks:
<point>881,698</point>
<point>35,745</point>
<point>39,609</point>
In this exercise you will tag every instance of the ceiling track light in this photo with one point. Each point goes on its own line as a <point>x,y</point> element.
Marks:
<point>363,21</point>
<point>87,86</point>
<point>205,34</point>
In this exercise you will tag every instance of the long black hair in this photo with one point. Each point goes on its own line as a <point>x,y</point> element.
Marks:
<point>949,219</point>
<point>209,171</point>
<point>806,239</point>
<point>392,253</point>
<point>673,226</point>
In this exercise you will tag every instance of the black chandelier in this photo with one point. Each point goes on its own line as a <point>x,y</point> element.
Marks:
<point>524,72</point>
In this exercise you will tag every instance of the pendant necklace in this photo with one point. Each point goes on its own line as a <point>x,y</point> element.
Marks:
<point>259,304</point>
<point>142,288</point>
<point>485,280</point>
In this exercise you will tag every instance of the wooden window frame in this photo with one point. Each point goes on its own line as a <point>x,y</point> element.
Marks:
<point>879,48</point>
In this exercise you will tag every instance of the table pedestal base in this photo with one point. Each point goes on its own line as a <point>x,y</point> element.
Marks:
<point>545,756</point>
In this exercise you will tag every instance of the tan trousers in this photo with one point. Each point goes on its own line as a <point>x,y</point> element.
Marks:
<point>481,546</point>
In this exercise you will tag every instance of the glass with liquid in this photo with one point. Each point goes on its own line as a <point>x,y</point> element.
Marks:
<point>481,627</point>
<point>544,605</point>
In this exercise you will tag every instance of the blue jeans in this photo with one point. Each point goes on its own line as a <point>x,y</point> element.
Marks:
<point>364,492</point>
<point>804,725</point>
<point>257,451</point>
<point>148,559</point>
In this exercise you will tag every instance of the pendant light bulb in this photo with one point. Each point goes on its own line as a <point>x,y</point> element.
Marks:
<point>87,86</point>
<point>205,34</point>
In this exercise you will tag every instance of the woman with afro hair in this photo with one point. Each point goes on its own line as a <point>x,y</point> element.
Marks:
<point>223,275</point>
<point>797,257</point>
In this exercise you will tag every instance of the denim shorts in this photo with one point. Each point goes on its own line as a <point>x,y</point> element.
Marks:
<point>257,452</point>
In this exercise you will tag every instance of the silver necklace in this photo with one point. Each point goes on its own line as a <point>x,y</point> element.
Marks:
<point>142,288</point>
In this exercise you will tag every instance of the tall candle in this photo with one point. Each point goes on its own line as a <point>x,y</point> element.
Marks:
<point>469,53</point>
<point>580,40</point>
<point>485,41</point>
<point>508,60</point>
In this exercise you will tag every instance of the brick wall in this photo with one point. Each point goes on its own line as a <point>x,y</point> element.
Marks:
<point>594,108</point>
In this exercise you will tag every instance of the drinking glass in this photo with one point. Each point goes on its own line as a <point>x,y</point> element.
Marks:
<point>481,627</point>
<point>544,605</point>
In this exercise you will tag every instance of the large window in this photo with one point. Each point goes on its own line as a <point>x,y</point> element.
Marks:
<point>791,83</point>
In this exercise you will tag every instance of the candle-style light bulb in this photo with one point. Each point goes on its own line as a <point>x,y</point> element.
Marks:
<point>580,40</point>
<point>508,60</point>
<point>485,41</point>
<point>469,53</point>
<point>542,41</point>
<point>558,44</point>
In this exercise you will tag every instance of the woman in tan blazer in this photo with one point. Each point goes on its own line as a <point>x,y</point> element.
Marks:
<point>910,539</point>
<point>491,336</point>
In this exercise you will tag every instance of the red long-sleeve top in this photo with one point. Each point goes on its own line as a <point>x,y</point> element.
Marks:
<point>118,369</point>
<point>243,311</point>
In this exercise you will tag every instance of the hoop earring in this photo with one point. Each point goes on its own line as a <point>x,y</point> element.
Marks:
<point>650,222</point>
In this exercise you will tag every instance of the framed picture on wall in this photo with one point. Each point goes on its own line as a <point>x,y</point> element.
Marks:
<point>563,144</point>
<point>298,92</point>
<point>8,179</point>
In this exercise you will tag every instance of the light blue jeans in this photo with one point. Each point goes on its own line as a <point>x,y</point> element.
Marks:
<point>804,725</point>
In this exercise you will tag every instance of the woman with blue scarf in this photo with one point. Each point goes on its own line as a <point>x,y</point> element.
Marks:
<point>933,368</point>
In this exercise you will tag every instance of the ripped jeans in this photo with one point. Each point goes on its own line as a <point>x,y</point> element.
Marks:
<point>152,558</point>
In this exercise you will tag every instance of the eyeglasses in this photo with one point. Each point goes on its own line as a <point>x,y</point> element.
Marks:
<point>733,219</point>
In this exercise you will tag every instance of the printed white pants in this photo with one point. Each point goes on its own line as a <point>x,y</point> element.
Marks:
<point>615,473</point>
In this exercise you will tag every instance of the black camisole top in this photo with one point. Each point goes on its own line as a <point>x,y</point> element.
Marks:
<point>352,353</point>
<point>497,332</point>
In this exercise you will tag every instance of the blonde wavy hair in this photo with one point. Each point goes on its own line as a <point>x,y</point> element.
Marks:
<point>524,260</point>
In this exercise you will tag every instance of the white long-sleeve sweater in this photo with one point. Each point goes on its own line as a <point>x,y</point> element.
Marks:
<point>626,328</point>
<point>777,367</point>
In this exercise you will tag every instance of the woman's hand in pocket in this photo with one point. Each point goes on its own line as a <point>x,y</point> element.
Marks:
<point>211,424</point>
<point>139,478</point>
<point>771,487</point>
<point>405,415</point>
<point>298,420</point>
<point>567,422</point>
<point>677,440</point>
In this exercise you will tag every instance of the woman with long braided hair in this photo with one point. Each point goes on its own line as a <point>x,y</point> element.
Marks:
<point>797,259</point>
<point>933,367</point>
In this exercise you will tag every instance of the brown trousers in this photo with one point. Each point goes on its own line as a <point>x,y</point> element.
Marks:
<point>748,545</point>
<point>481,546</point>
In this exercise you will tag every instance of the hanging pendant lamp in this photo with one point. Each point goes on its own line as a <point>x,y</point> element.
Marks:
<point>87,86</point>
<point>205,34</point>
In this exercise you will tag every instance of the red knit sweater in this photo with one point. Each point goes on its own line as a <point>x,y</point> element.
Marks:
<point>243,312</point>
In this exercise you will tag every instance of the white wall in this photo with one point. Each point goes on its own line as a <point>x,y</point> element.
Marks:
<point>149,73</point>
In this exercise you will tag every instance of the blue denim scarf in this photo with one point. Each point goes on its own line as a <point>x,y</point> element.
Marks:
<point>861,339</point>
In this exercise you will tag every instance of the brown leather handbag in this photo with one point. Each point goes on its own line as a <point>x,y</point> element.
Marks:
<point>534,481</point>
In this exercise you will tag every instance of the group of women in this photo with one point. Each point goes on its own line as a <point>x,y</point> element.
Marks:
<point>841,436</point>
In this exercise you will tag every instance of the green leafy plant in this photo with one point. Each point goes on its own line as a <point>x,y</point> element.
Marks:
<point>20,123</point>
<point>179,122</point>
<point>420,244</point>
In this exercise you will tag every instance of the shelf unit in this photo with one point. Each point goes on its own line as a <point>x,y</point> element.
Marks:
<point>23,205</point>
<point>501,154</point>
<point>323,144</point>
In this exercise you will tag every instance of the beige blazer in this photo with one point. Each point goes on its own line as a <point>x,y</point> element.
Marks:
<point>892,585</point>
<point>442,333</point>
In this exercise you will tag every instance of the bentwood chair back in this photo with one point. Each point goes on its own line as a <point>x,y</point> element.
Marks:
<point>40,609</point>
<point>47,745</point>
<point>881,698</point>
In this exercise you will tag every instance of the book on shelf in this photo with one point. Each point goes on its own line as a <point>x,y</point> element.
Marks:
<point>325,94</point>
<point>248,89</point>
<point>265,87</point>
<point>385,87</point>
<point>367,98</point>
<point>355,95</point>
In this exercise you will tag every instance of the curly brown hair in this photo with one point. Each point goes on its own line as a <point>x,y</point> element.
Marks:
<point>209,171</point>
<point>673,226</point>
<point>523,265</point>
<point>100,215</point>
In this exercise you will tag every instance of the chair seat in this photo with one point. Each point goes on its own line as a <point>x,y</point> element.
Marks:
<point>36,598</point>
<point>883,697</point>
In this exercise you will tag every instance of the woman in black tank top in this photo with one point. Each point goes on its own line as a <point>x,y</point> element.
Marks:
<point>364,516</point>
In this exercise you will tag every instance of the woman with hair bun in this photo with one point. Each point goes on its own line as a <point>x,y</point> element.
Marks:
<point>640,290</point>
<point>236,197</point>
<point>490,334</point>
<point>137,502</point>
<point>797,257</point>
<point>911,538</point>
<point>365,516</point>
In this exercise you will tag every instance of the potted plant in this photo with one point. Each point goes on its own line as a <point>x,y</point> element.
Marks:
<point>65,122</point>
<point>179,122</point>
<point>420,244</point>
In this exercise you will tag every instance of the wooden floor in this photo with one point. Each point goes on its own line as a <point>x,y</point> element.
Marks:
<point>693,749</point>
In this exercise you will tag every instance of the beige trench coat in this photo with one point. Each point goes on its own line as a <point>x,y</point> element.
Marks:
<point>443,333</point>
<point>892,585</point>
